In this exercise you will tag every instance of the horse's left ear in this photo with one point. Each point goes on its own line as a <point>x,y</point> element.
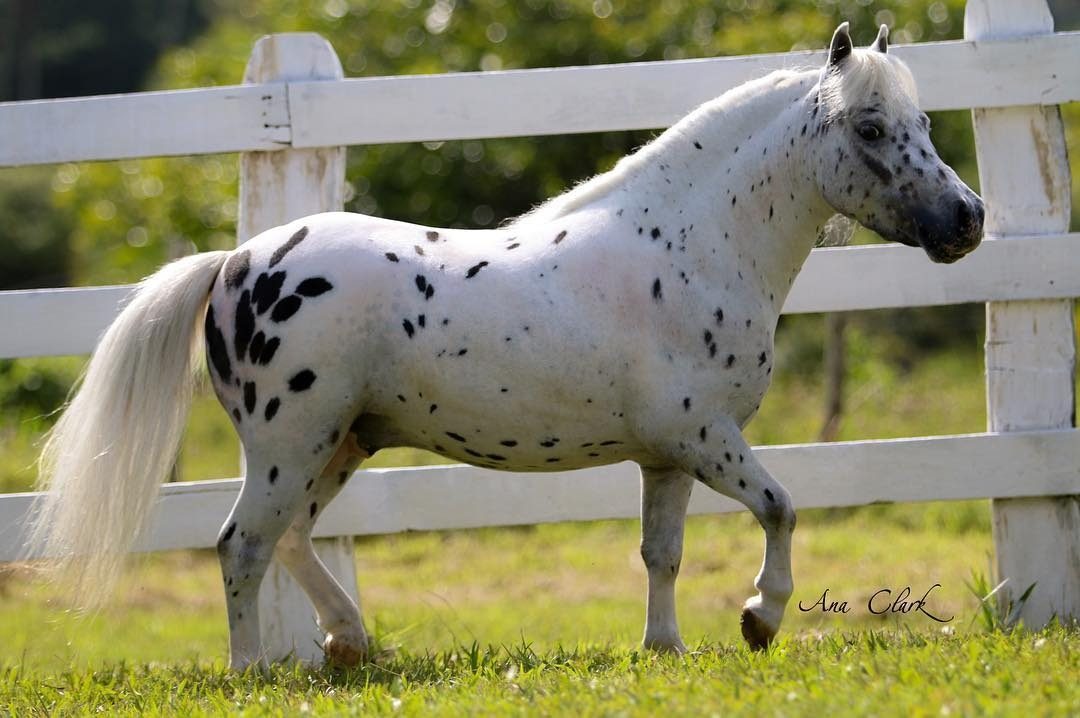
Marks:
<point>840,47</point>
<point>881,44</point>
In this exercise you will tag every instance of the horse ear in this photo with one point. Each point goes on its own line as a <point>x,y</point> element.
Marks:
<point>881,44</point>
<point>840,47</point>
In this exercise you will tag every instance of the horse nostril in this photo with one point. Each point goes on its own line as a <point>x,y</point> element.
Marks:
<point>968,217</point>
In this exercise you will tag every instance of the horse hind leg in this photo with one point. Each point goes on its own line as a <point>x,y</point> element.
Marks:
<point>346,641</point>
<point>278,487</point>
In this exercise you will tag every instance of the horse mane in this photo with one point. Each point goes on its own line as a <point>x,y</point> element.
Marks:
<point>864,72</point>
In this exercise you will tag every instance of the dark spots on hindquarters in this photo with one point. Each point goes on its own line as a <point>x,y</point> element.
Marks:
<point>267,290</point>
<point>730,361</point>
<point>697,144</point>
<point>268,351</point>
<point>237,268</point>
<point>255,349</point>
<point>401,398</point>
<point>657,290</point>
<point>272,407</point>
<point>719,314</point>
<point>473,270</point>
<point>462,352</point>
<point>408,327</point>
<point>285,308</point>
<point>455,437</point>
<point>769,495</point>
<point>302,380</point>
<point>244,325</point>
<point>515,245</point>
<point>433,408</point>
<point>272,477</point>
<point>609,442</point>
<point>762,357</point>
<point>391,256</point>
<point>686,403</point>
<point>311,482</point>
<point>249,396</point>
<point>313,509</point>
<point>655,233</point>
<point>733,198</point>
<point>313,287</point>
<point>703,433</point>
<point>553,460</point>
<point>770,211</point>
<point>495,457</point>
<point>560,237</point>
<point>742,484</point>
<point>432,235</point>
<point>549,443</point>
<point>216,347</point>
<point>424,287</point>
<point>280,252</point>
<point>509,443</point>
<point>421,320</point>
<point>418,249</point>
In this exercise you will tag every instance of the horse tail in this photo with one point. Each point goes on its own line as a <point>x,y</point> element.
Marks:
<point>105,459</point>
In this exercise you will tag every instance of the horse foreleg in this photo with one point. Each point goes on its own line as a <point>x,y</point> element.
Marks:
<point>665,494</point>
<point>721,459</point>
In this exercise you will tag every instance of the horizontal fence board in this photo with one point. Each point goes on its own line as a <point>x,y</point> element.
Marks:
<point>891,275</point>
<point>44,322</point>
<point>144,124</point>
<point>951,75</point>
<point>380,501</point>
<point>647,95</point>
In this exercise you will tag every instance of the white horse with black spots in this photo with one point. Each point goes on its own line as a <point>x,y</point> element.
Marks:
<point>630,318</point>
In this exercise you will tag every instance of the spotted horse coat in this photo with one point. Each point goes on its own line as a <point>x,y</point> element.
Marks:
<point>629,319</point>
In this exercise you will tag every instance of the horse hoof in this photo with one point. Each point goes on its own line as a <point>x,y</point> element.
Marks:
<point>670,646</point>
<point>343,649</point>
<point>755,631</point>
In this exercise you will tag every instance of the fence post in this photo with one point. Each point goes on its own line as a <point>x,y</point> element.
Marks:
<point>1030,346</point>
<point>277,187</point>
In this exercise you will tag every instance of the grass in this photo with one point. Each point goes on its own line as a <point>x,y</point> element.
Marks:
<point>559,608</point>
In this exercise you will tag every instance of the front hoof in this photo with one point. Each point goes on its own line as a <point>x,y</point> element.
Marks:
<point>757,633</point>
<point>670,646</point>
<point>343,649</point>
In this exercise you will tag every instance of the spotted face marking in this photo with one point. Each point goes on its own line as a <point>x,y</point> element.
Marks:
<point>237,268</point>
<point>302,380</point>
<point>280,252</point>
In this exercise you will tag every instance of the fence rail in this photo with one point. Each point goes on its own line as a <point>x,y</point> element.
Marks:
<point>1012,68</point>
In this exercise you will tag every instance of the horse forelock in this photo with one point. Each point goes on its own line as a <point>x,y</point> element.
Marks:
<point>863,74</point>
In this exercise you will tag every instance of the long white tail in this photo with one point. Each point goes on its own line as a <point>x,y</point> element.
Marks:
<point>105,459</point>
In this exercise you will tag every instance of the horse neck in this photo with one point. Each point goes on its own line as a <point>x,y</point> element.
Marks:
<point>737,175</point>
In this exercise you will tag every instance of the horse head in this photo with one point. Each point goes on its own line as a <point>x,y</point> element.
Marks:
<point>875,161</point>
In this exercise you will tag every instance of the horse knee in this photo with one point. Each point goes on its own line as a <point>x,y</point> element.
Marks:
<point>778,512</point>
<point>664,557</point>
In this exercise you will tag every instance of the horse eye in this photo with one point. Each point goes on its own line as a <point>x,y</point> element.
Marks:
<point>870,131</point>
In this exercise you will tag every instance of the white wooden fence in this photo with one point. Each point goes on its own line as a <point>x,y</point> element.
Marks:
<point>295,113</point>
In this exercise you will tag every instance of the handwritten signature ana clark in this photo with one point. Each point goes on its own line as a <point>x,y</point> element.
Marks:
<point>882,602</point>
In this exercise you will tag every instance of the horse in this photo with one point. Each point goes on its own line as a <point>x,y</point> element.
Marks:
<point>631,318</point>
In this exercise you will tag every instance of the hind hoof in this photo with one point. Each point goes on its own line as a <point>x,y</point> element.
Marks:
<point>755,631</point>
<point>343,649</point>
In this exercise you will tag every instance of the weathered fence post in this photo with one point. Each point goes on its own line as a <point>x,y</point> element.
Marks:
<point>1030,346</point>
<point>276,187</point>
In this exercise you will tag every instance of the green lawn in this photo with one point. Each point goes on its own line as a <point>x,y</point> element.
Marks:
<point>562,605</point>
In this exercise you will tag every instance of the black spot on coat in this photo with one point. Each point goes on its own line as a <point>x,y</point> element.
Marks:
<point>391,256</point>
<point>237,268</point>
<point>244,325</point>
<point>474,269</point>
<point>272,407</point>
<point>657,290</point>
<point>269,350</point>
<point>280,252</point>
<point>313,287</point>
<point>216,347</point>
<point>408,326</point>
<point>273,474</point>
<point>258,343</point>
<point>267,290</point>
<point>285,308</point>
<point>302,380</point>
<point>249,396</point>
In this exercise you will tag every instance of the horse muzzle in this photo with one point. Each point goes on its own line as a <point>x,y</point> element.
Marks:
<point>948,236</point>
